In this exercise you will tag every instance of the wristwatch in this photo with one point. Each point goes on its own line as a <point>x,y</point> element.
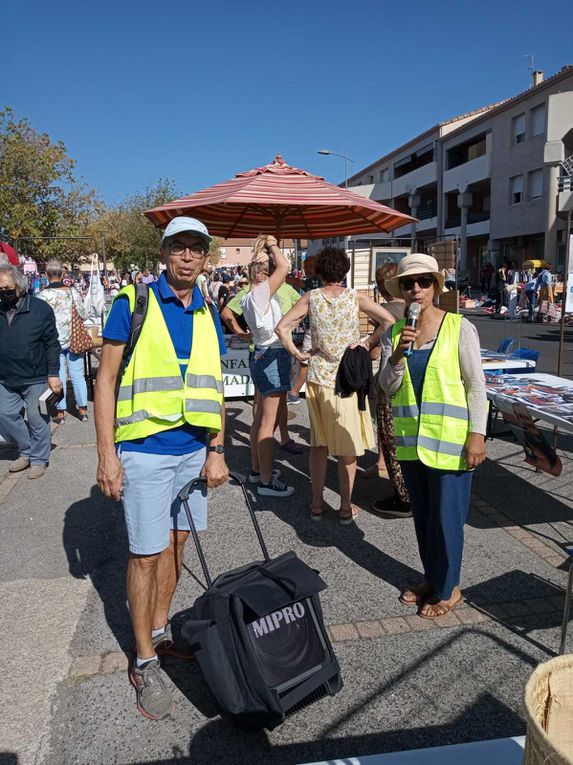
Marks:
<point>218,449</point>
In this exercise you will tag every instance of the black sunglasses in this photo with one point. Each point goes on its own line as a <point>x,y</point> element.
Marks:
<point>423,281</point>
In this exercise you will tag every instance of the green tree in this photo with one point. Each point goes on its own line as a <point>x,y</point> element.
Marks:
<point>130,237</point>
<point>39,194</point>
<point>215,250</point>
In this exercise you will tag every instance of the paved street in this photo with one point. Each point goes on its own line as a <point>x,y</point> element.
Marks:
<point>408,682</point>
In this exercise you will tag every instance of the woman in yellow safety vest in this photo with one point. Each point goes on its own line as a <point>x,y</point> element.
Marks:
<point>434,375</point>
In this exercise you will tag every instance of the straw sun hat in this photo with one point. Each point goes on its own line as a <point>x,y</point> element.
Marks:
<point>415,264</point>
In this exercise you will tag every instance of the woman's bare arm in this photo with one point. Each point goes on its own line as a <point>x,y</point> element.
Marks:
<point>288,322</point>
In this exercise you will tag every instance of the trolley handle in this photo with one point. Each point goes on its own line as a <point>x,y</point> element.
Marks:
<point>184,498</point>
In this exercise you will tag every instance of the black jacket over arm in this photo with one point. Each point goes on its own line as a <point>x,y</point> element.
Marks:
<point>354,375</point>
<point>29,346</point>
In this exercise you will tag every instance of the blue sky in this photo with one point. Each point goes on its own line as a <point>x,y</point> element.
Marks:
<point>198,91</point>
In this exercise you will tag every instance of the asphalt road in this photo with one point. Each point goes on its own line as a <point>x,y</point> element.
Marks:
<point>539,337</point>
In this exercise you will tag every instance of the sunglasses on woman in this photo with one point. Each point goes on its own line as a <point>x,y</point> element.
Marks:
<point>424,282</point>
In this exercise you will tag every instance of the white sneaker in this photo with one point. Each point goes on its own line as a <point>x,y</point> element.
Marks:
<point>256,477</point>
<point>275,488</point>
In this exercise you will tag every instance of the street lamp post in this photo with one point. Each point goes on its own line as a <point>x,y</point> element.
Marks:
<point>346,159</point>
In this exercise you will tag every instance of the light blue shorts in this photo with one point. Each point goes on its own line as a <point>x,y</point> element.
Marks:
<point>150,486</point>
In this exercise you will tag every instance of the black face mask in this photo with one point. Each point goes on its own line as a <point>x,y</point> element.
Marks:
<point>8,298</point>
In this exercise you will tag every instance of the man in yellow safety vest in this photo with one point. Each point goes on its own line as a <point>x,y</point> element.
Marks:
<point>158,427</point>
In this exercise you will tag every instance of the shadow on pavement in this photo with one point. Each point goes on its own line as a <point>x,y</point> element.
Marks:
<point>349,540</point>
<point>486,718</point>
<point>95,542</point>
<point>521,501</point>
<point>523,603</point>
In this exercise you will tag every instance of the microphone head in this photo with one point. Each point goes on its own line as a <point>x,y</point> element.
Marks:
<point>414,311</point>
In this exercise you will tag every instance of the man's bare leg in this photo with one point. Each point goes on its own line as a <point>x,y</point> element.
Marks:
<point>142,597</point>
<point>168,573</point>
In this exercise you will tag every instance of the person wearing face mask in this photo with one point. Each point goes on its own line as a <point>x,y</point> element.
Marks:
<point>29,360</point>
<point>433,374</point>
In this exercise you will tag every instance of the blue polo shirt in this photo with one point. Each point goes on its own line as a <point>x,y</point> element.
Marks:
<point>179,320</point>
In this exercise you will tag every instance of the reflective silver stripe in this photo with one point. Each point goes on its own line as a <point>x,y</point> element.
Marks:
<point>141,415</point>
<point>125,393</point>
<point>442,447</point>
<point>405,411</point>
<point>406,440</point>
<point>446,410</point>
<point>149,385</point>
<point>433,444</point>
<point>202,405</point>
<point>204,381</point>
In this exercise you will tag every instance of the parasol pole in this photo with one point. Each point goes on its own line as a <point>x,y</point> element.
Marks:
<point>563,306</point>
<point>564,294</point>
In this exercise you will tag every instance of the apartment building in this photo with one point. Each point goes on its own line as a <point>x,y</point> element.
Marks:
<point>238,252</point>
<point>493,180</point>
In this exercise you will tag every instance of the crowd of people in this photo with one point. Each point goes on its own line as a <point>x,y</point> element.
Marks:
<point>519,289</point>
<point>160,412</point>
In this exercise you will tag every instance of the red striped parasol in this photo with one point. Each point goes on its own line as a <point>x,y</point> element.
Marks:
<point>284,200</point>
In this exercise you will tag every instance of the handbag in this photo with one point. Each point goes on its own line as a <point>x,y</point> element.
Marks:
<point>81,340</point>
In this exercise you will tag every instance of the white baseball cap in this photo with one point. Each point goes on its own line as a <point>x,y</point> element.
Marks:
<point>190,225</point>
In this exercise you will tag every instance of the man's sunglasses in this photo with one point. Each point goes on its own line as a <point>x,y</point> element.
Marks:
<point>424,282</point>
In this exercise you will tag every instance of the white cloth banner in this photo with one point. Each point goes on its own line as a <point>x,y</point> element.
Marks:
<point>94,301</point>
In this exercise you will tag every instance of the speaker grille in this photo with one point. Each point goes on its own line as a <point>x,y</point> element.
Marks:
<point>288,644</point>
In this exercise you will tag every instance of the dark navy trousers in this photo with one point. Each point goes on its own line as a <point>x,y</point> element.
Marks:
<point>440,501</point>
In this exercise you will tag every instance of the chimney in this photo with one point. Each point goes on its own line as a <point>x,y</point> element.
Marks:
<point>536,78</point>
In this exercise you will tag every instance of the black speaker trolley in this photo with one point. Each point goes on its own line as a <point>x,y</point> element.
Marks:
<point>258,634</point>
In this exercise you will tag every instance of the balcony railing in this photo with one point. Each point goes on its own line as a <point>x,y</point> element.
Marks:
<point>427,210</point>
<point>565,183</point>
<point>477,217</point>
<point>473,217</point>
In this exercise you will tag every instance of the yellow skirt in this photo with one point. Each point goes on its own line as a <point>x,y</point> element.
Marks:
<point>337,423</point>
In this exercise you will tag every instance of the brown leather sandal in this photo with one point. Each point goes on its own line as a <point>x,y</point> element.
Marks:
<point>442,605</point>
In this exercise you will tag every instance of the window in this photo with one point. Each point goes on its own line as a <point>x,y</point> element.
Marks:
<point>538,120</point>
<point>370,179</point>
<point>384,175</point>
<point>516,190</point>
<point>536,184</point>
<point>518,128</point>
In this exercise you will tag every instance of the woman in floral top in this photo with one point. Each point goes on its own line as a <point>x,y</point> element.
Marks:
<point>337,426</point>
<point>62,298</point>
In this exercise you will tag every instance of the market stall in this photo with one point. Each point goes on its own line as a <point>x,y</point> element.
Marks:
<point>547,398</point>
<point>525,401</point>
<point>506,363</point>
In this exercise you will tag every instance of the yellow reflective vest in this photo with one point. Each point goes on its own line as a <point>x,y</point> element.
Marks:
<point>153,396</point>
<point>436,431</point>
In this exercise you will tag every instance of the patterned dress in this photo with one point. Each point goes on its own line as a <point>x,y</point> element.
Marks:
<point>335,422</point>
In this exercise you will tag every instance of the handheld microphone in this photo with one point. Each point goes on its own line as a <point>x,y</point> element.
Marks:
<point>411,321</point>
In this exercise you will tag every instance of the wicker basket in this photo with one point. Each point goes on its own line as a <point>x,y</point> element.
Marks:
<point>549,713</point>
